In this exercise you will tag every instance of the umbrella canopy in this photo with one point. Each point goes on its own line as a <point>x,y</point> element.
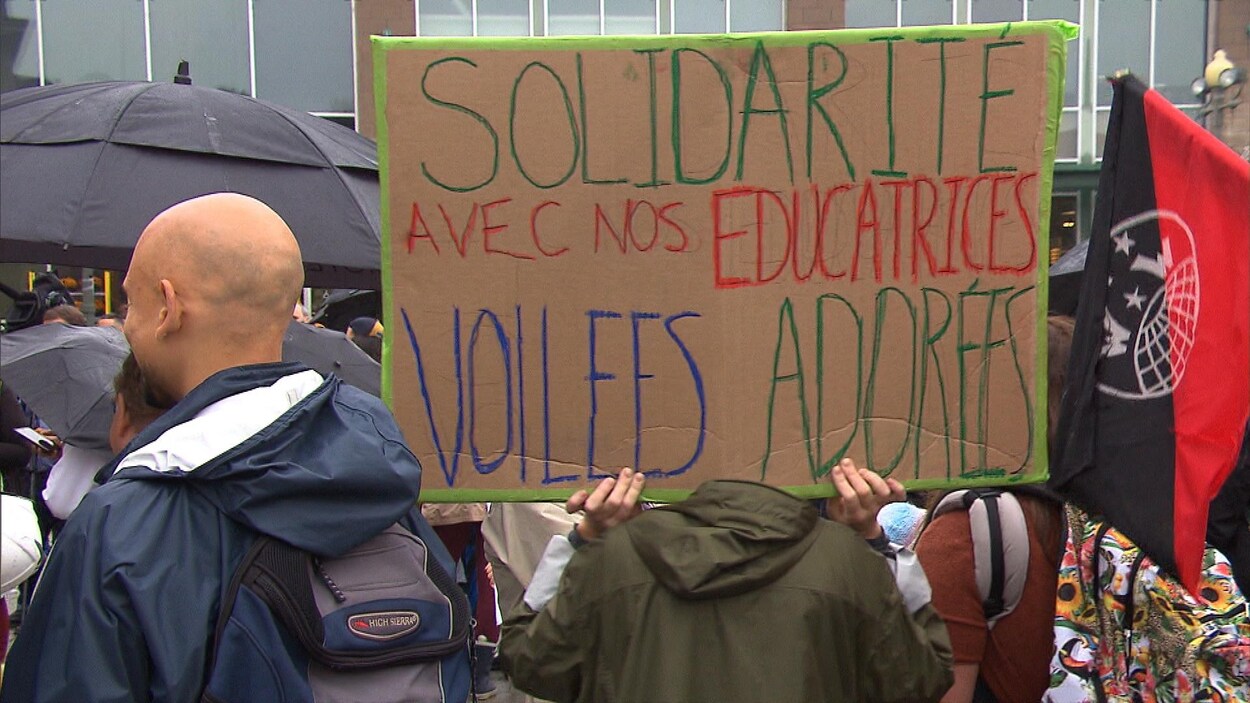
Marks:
<point>327,351</point>
<point>65,374</point>
<point>1065,279</point>
<point>85,167</point>
<point>1072,261</point>
<point>342,306</point>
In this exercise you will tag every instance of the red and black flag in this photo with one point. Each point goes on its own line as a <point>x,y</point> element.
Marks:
<point>1159,378</point>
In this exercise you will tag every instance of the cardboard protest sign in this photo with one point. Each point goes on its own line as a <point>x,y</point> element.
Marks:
<point>718,256</point>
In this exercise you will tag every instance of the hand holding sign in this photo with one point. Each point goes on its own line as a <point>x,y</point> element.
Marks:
<point>861,495</point>
<point>614,501</point>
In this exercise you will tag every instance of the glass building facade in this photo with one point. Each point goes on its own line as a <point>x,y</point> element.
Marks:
<point>299,53</point>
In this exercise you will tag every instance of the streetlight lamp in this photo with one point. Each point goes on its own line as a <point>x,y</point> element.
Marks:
<point>1220,84</point>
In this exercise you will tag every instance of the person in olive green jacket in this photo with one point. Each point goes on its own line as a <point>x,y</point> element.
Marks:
<point>739,593</point>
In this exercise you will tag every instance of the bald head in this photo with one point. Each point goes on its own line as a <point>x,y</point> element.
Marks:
<point>216,275</point>
<point>232,251</point>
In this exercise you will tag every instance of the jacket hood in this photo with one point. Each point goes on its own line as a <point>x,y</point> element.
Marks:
<point>728,537</point>
<point>311,461</point>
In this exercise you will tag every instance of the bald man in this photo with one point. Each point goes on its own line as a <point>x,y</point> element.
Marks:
<point>128,601</point>
<point>211,285</point>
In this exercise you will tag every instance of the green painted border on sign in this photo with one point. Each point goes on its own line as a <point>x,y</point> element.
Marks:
<point>384,193</point>
<point>1058,32</point>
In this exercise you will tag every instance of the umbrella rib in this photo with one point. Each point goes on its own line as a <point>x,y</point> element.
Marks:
<point>338,173</point>
<point>104,144</point>
<point>70,104</point>
<point>311,143</point>
<point>300,129</point>
<point>73,230</point>
<point>122,112</point>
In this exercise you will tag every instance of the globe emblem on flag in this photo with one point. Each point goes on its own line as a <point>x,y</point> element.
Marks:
<point>1162,330</point>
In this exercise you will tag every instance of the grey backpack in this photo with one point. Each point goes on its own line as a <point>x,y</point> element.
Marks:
<point>382,623</point>
<point>1000,544</point>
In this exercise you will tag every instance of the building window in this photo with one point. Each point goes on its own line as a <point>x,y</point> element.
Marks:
<point>503,18</point>
<point>299,52</point>
<point>597,17</point>
<point>631,17</point>
<point>19,45</point>
<point>95,41</point>
<point>570,17</point>
<point>698,16</point>
<point>303,54</point>
<point>1123,41</point>
<point>444,18</point>
<point>1065,230</point>
<point>918,13</point>
<point>1179,30</point>
<point>873,13</point>
<point>1067,147</point>
<point>212,36</point>
<point>986,11</point>
<point>755,16</point>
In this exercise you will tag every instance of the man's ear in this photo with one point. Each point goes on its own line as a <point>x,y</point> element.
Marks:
<point>170,319</point>
<point>120,430</point>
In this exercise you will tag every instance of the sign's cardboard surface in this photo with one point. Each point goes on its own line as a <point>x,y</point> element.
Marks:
<point>719,257</point>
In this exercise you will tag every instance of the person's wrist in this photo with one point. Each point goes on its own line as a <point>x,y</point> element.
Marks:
<point>880,543</point>
<point>585,531</point>
<point>870,531</point>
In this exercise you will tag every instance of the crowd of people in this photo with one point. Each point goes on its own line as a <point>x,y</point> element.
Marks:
<point>742,592</point>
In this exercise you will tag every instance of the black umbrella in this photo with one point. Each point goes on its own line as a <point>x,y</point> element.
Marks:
<point>327,351</point>
<point>85,167</point>
<point>1065,280</point>
<point>339,307</point>
<point>65,374</point>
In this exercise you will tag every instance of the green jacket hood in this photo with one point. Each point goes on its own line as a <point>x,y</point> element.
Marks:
<point>728,537</point>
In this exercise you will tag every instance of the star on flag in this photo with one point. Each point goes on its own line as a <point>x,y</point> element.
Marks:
<point>1134,299</point>
<point>1123,243</point>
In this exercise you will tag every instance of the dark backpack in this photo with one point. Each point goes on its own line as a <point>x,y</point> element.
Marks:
<point>382,623</point>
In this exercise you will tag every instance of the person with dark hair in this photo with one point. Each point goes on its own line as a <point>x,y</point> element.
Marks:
<point>371,346</point>
<point>131,410</point>
<point>364,327</point>
<point>65,314</point>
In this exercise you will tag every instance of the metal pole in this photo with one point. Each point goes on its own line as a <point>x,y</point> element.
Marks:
<point>88,294</point>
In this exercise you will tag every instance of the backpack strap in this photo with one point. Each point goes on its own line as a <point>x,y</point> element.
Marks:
<point>1000,545</point>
